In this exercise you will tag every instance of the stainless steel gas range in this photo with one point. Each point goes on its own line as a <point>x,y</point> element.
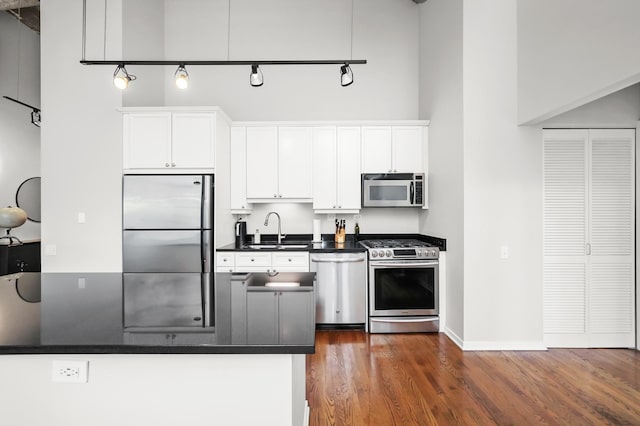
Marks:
<point>403,286</point>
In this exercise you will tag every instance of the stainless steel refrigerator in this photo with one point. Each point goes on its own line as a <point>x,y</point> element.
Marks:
<point>167,250</point>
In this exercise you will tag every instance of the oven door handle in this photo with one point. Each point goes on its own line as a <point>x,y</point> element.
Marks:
<point>429,319</point>
<point>404,264</point>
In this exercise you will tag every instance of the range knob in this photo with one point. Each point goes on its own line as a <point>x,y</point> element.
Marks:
<point>433,252</point>
<point>374,254</point>
<point>389,253</point>
<point>381,253</point>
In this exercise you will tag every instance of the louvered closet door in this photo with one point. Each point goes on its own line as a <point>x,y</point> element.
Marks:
<point>588,231</point>
<point>611,285</point>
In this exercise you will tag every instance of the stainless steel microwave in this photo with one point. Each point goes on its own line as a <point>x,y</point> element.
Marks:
<point>393,189</point>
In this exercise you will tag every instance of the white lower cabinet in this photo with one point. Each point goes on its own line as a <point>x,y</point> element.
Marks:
<point>279,317</point>
<point>252,261</point>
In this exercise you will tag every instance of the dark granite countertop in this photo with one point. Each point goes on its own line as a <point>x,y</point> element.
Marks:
<point>328,245</point>
<point>62,313</point>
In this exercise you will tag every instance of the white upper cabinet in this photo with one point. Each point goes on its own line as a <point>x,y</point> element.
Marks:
<point>336,169</point>
<point>147,140</point>
<point>168,141</point>
<point>193,140</point>
<point>393,149</point>
<point>408,149</point>
<point>278,163</point>
<point>238,172</point>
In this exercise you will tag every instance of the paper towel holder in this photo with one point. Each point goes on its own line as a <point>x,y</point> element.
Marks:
<point>317,234</point>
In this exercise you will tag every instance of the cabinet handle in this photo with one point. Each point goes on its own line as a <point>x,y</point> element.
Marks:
<point>275,195</point>
<point>243,207</point>
<point>230,269</point>
<point>334,207</point>
<point>395,171</point>
<point>173,164</point>
<point>339,207</point>
<point>166,164</point>
<point>289,260</point>
<point>280,196</point>
<point>224,260</point>
<point>253,260</point>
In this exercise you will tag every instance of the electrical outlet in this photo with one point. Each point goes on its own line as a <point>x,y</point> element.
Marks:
<point>504,252</point>
<point>70,371</point>
<point>357,217</point>
<point>331,217</point>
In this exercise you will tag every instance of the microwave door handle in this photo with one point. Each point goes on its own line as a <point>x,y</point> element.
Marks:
<point>411,192</point>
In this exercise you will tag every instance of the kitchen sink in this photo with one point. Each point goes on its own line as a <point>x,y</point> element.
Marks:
<point>277,246</point>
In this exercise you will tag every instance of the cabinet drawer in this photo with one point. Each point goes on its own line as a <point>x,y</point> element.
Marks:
<point>298,260</point>
<point>225,262</point>
<point>252,260</point>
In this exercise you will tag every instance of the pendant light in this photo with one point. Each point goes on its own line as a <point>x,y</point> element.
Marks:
<point>121,77</point>
<point>182,77</point>
<point>255,78</point>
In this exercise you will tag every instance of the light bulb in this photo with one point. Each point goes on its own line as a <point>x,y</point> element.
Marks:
<point>182,77</point>
<point>121,77</point>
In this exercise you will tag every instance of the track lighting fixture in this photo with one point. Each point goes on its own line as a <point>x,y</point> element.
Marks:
<point>121,77</point>
<point>346,75</point>
<point>182,77</point>
<point>35,112</point>
<point>255,78</point>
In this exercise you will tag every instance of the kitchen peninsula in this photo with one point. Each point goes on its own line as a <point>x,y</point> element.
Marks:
<point>72,317</point>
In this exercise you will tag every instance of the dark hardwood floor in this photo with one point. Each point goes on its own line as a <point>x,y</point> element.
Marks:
<point>356,378</point>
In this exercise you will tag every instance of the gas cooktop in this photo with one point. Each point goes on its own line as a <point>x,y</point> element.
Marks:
<point>400,249</point>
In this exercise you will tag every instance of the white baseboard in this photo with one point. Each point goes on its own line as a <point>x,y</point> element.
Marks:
<point>454,337</point>
<point>504,346</point>
<point>307,413</point>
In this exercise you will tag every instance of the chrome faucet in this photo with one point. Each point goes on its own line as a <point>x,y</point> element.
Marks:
<point>266,222</point>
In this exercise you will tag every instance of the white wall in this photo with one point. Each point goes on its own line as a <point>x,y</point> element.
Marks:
<point>156,390</point>
<point>619,109</point>
<point>81,147</point>
<point>298,219</point>
<point>19,139</point>
<point>441,102</point>
<point>502,188</point>
<point>570,53</point>
<point>385,33</point>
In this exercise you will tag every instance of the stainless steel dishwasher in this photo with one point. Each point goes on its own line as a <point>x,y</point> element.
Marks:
<point>341,288</point>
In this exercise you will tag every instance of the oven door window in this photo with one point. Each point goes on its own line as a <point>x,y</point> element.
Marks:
<point>398,290</point>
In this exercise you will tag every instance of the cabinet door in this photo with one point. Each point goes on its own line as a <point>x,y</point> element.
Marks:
<point>147,140</point>
<point>225,261</point>
<point>376,149</point>
<point>296,317</point>
<point>193,140</point>
<point>294,162</point>
<point>262,317</point>
<point>262,162</point>
<point>324,168</point>
<point>293,261</point>
<point>348,170</point>
<point>238,176</point>
<point>252,262</point>
<point>408,149</point>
